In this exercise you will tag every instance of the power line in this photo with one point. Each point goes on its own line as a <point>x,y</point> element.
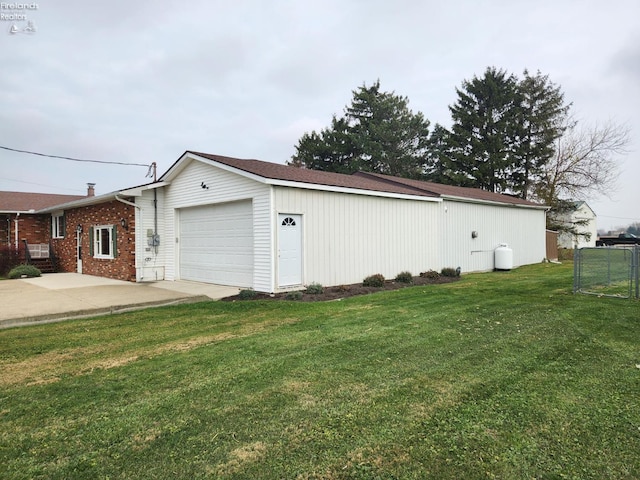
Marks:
<point>74,159</point>
<point>40,184</point>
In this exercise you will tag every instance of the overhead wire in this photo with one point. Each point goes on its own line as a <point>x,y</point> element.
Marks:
<point>75,159</point>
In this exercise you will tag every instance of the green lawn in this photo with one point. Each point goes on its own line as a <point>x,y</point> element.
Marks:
<point>501,375</point>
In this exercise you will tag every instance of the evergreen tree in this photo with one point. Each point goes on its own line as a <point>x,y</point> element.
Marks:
<point>439,166</point>
<point>485,128</point>
<point>542,119</point>
<point>378,133</point>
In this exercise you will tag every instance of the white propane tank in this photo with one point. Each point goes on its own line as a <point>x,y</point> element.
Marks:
<point>504,257</point>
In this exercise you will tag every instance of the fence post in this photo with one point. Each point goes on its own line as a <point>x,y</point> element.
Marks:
<point>636,267</point>
<point>576,270</point>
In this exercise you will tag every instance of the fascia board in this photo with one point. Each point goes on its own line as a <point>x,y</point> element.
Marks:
<point>137,191</point>
<point>490,202</point>
<point>355,191</point>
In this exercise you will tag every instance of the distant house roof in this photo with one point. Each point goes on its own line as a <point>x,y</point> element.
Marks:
<point>24,202</point>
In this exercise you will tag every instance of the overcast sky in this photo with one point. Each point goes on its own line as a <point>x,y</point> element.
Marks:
<point>141,81</point>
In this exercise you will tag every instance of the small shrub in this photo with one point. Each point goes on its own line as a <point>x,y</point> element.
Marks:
<point>565,254</point>
<point>315,288</point>
<point>450,272</point>
<point>247,294</point>
<point>432,274</point>
<point>297,295</point>
<point>404,277</point>
<point>344,288</point>
<point>24,270</point>
<point>376,280</point>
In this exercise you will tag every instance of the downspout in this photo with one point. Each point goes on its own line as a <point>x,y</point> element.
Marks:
<point>127,202</point>
<point>155,217</point>
<point>16,232</point>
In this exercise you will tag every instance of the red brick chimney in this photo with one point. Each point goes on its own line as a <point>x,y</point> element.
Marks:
<point>91,191</point>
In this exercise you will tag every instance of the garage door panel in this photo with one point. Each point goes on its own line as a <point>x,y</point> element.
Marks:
<point>216,244</point>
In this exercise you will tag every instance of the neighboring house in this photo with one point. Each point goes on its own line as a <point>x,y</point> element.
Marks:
<point>272,227</point>
<point>23,229</point>
<point>583,218</point>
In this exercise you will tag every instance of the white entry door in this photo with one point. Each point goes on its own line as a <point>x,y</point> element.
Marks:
<point>289,250</point>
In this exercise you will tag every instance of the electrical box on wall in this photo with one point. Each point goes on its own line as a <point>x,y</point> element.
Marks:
<point>153,240</point>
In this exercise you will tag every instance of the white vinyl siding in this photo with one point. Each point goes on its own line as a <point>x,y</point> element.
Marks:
<point>150,259</point>
<point>523,229</point>
<point>348,237</point>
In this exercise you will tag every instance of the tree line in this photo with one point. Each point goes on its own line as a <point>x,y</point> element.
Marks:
<point>509,134</point>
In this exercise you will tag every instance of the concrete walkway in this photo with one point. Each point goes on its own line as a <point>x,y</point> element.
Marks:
<point>59,296</point>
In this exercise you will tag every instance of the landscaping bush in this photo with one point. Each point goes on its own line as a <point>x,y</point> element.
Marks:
<point>24,271</point>
<point>432,274</point>
<point>565,254</point>
<point>315,288</point>
<point>297,295</point>
<point>404,277</point>
<point>247,294</point>
<point>376,280</point>
<point>450,272</point>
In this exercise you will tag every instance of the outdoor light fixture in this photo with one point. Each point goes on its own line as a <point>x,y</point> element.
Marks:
<point>123,222</point>
<point>79,228</point>
<point>474,234</point>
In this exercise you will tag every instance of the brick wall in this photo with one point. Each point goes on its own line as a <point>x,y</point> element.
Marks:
<point>122,267</point>
<point>32,228</point>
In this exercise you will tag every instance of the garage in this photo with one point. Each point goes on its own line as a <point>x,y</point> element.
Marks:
<point>216,244</point>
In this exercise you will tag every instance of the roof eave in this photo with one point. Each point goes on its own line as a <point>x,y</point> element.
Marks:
<point>492,202</point>
<point>355,191</point>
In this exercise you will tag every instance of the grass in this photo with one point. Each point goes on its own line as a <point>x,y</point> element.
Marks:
<point>500,375</point>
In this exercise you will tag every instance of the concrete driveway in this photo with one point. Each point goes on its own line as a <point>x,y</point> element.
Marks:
<point>58,296</point>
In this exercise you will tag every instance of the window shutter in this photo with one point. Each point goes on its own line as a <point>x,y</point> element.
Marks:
<point>63,225</point>
<point>115,241</point>
<point>91,241</point>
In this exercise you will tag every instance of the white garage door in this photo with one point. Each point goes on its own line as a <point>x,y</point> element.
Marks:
<point>216,244</point>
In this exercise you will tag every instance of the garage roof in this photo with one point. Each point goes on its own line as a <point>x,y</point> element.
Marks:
<point>275,171</point>
<point>364,181</point>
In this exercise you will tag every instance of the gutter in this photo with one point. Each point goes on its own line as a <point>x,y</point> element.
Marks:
<point>492,202</point>
<point>127,202</point>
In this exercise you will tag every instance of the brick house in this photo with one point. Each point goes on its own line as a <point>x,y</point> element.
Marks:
<point>70,233</point>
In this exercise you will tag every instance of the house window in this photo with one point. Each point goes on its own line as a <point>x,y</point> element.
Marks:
<point>57,226</point>
<point>103,242</point>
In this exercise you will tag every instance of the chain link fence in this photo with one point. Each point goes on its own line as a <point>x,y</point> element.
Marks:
<point>607,271</point>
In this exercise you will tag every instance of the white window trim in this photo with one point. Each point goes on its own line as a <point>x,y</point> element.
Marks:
<point>97,242</point>
<point>57,221</point>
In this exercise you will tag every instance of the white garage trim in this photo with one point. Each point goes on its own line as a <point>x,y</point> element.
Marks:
<point>216,243</point>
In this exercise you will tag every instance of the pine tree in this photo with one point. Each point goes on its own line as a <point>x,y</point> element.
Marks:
<point>485,126</point>
<point>378,133</point>
<point>543,116</point>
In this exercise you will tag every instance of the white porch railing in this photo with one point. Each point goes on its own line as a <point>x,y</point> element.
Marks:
<point>38,250</point>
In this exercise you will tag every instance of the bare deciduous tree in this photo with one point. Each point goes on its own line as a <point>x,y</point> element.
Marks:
<point>585,163</point>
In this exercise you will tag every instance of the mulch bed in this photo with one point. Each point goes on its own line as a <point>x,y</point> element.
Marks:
<point>344,291</point>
